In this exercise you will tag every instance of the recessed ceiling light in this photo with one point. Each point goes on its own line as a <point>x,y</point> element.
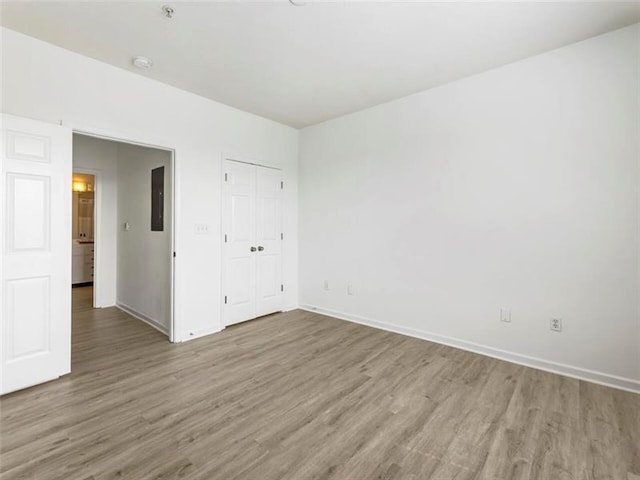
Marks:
<point>142,62</point>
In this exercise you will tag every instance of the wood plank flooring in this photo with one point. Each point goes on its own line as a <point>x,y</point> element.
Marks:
<point>302,396</point>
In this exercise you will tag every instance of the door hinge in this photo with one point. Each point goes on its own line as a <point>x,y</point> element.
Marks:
<point>281,287</point>
<point>174,254</point>
<point>282,236</point>
<point>225,238</point>
<point>226,177</point>
<point>281,185</point>
<point>225,299</point>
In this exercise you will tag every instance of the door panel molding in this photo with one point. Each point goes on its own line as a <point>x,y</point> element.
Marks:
<point>26,146</point>
<point>28,212</point>
<point>28,328</point>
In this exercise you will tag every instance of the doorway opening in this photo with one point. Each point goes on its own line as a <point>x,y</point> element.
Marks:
<point>83,233</point>
<point>123,230</point>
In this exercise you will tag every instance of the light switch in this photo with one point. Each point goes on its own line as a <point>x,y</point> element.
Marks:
<point>202,228</point>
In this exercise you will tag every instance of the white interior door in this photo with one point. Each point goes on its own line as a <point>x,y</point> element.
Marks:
<point>269,241</point>
<point>238,216</point>
<point>252,253</point>
<point>36,252</point>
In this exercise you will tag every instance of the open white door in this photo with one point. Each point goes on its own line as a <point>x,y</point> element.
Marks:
<point>35,303</point>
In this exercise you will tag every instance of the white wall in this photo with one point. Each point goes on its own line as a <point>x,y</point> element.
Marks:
<point>514,188</point>
<point>144,257</point>
<point>102,156</point>
<point>48,83</point>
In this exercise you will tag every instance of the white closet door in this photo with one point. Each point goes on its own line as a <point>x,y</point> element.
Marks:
<point>252,229</point>
<point>268,238</point>
<point>36,252</point>
<point>238,217</point>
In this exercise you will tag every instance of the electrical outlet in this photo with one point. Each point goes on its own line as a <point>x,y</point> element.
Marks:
<point>349,289</point>
<point>505,315</point>
<point>326,285</point>
<point>555,324</point>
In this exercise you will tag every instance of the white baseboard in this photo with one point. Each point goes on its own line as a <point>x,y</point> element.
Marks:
<point>185,337</point>
<point>140,316</point>
<point>197,334</point>
<point>600,378</point>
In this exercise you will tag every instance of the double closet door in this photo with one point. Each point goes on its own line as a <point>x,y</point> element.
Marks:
<point>252,236</point>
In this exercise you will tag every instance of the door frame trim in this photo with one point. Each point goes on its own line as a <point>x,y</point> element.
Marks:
<point>133,140</point>
<point>247,161</point>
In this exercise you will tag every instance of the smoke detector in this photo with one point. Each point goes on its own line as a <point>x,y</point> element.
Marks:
<point>168,11</point>
<point>142,62</point>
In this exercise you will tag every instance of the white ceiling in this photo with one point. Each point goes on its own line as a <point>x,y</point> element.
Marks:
<point>304,65</point>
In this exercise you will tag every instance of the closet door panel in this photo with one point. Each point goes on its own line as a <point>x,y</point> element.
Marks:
<point>239,219</point>
<point>269,241</point>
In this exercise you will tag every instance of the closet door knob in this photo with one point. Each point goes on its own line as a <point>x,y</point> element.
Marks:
<point>260,248</point>
<point>253,249</point>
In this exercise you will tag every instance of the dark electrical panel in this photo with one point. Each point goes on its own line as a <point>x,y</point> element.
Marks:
<point>157,199</point>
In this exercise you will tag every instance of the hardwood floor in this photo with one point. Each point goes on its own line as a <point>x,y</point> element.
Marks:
<point>302,396</point>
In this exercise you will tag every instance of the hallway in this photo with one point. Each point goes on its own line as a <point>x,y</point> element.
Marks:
<point>103,336</point>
